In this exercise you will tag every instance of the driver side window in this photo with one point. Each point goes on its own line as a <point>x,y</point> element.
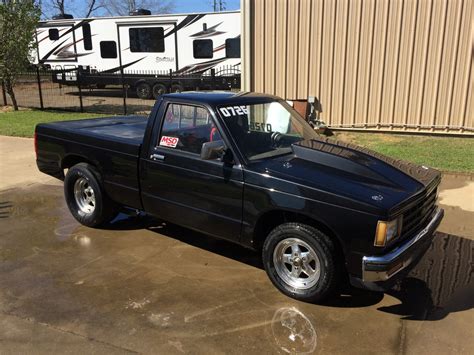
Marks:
<point>187,128</point>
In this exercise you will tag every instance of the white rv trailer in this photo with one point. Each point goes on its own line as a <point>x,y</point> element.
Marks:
<point>140,48</point>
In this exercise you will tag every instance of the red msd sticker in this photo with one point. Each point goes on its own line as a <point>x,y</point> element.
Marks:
<point>171,142</point>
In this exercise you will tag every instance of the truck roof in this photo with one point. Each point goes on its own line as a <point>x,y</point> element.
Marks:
<point>222,97</point>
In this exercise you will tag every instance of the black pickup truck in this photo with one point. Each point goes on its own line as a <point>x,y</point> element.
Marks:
<point>246,167</point>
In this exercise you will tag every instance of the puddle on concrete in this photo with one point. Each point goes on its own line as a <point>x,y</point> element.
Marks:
<point>456,197</point>
<point>458,191</point>
<point>148,286</point>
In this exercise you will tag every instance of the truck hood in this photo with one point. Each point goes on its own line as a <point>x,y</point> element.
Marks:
<point>353,172</point>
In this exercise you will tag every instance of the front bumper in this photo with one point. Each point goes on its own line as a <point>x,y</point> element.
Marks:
<point>381,269</point>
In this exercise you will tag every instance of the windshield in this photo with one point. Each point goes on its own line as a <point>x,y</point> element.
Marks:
<point>265,130</point>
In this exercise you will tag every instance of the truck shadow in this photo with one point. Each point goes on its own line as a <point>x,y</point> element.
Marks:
<point>442,282</point>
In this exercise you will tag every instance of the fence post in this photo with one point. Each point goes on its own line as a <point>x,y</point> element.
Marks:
<point>78,80</point>
<point>213,79</point>
<point>171,80</point>
<point>124,89</point>
<point>4,95</point>
<point>38,78</point>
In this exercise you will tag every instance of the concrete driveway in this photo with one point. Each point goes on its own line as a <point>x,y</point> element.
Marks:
<point>144,286</point>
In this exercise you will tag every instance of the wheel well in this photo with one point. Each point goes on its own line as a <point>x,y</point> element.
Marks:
<point>71,160</point>
<point>268,221</point>
<point>142,81</point>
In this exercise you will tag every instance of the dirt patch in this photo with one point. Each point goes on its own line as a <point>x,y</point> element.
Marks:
<point>345,137</point>
<point>389,138</point>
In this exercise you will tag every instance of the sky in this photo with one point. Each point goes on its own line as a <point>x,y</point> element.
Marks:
<point>78,8</point>
<point>203,5</point>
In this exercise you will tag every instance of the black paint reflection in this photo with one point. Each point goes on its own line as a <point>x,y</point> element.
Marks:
<point>443,281</point>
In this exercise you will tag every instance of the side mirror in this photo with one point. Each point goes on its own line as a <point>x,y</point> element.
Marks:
<point>212,150</point>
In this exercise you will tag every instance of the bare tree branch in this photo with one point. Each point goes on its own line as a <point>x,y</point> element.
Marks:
<point>92,6</point>
<point>59,5</point>
<point>122,7</point>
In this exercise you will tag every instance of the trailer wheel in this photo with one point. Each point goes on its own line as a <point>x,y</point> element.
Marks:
<point>144,91</point>
<point>177,88</point>
<point>158,90</point>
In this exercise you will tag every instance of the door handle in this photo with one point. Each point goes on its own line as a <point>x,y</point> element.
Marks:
<point>157,157</point>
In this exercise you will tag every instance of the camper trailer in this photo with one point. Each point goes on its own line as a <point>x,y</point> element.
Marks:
<point>151,54</point>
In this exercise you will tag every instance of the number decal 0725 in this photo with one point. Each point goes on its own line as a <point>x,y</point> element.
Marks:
<point>234,111</point>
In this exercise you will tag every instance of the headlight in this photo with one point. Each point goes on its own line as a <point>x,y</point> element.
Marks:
<point>387,231</point>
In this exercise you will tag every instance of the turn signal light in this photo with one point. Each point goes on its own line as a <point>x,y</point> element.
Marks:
<point>387,231</point>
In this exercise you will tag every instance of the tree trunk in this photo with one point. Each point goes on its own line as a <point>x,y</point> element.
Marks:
<point>11,93</point>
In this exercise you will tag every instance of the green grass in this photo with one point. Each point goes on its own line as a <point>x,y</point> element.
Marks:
<point>455,154</point>
<point>22,123</point>
<point>444,153</point>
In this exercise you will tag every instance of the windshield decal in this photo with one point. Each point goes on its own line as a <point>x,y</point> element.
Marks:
<point>261,127</point>
<point>234,111</point>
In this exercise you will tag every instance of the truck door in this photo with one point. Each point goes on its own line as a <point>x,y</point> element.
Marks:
<point>178,186</point>
<point>147,46</point>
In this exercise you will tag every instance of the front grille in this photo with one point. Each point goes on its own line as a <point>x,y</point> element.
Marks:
<point>416,217</point>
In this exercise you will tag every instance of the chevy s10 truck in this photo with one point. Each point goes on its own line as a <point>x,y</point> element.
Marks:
<point>247,168</point>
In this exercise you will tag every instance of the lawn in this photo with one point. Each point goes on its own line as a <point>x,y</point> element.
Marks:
<point>22,123</point>
<point>455,154</point>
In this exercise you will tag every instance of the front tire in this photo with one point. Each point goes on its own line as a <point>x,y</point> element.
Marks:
<point>302,262</point>
<point>86,198</point>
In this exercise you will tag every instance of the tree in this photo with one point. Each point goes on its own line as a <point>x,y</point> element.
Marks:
<point>18,21</point>
<point>92,5</point>
<point>58,5</point>
<point>123,7</point>
<point>88,8</point>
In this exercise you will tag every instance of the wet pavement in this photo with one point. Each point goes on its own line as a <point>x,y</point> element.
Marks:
<point>141,285</point>
<point>144,286</point>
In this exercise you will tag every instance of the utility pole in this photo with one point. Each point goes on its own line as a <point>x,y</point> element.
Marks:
<point>131,6</point>
<point>219,5</point>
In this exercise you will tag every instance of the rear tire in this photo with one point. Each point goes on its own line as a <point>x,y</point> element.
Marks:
<point>177,88</point>
<point>302,262</point>
<point>158,90</point>
<point>143,91</point>
<point>86,198</point>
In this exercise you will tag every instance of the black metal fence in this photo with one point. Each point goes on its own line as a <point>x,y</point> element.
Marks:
<point>126,92</point>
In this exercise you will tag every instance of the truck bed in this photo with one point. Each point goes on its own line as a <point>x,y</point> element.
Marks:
<point>128,131</point>
<point>112,144</point>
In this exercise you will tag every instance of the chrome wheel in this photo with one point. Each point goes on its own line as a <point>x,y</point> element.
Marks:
<point>84,196</point>
<point>296,263</point>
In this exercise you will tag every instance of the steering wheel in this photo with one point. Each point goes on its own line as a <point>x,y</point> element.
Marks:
<point>276,137</point>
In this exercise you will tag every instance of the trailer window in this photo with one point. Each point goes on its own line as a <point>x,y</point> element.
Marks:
<point>53,34</point>
<point>202,48</point>
<point>232,47</point>
<point>147,39</point>
<point>86,34</point>
<point>108,49</point>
